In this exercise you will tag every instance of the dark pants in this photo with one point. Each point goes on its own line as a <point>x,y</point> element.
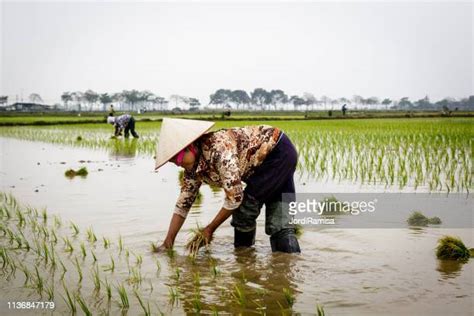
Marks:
<point>130,128</point>
<point>266,186</point>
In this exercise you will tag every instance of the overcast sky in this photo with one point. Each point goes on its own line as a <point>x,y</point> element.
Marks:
<point>336,49</point>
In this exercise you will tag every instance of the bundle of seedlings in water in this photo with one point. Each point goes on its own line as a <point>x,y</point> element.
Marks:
<point>197,241</point>
<point>452,248</point>
<point>418,219</point>
<point>71,173</point>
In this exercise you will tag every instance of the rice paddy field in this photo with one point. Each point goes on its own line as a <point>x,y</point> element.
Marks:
<point>83,243</point>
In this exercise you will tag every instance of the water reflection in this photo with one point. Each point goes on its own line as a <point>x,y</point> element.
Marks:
<point>126,148</point>
<point>243,283</point>
<point>449,269</point>
<point>414,230</point>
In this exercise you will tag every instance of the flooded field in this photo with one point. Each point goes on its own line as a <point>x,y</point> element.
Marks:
<point>98,229</point>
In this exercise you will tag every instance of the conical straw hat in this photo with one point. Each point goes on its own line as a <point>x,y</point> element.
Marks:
<point>177,134</point>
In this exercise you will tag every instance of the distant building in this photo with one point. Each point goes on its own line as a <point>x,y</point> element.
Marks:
<point>27,107</point>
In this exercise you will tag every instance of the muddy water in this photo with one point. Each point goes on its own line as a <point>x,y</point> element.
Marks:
<point>348,271</point>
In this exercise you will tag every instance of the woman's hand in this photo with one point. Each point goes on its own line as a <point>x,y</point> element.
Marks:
<point>164,247</point>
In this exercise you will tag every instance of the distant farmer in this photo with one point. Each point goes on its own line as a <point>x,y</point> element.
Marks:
<point>111,110</point>
<point>125,123</point>
<point>344,109</point>
<point>261,156</point>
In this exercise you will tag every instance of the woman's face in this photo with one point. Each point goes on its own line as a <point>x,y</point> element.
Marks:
<point>188,160</point>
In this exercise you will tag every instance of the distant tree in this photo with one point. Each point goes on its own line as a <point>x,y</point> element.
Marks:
<point>260,97</point>
<point>423,103</point>
<point>343,100</point>
<point>372,101</point>
<point>310,100</point>
<point>66,97</point>
<point>386,102</point>
<point>3,100</point>
<point>278,97</point>
<point>78,97</point>
<point>325,100</point>
<point>405,103</point>
<point>221,97</point>
<point>105,99</point>
<point>35,98</point>
<point>297,101</point>
<point>160,101</point>
<point>240,98</point>
<point>193,104</point>
<point>91,98</point>
<point>357,100</point>
<point>131,97</point>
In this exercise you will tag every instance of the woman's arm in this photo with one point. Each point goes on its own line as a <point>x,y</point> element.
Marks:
<point>175,225</point>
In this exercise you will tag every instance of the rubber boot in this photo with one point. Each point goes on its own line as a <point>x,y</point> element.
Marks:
<point>285,241</point>
<point>244,239</point>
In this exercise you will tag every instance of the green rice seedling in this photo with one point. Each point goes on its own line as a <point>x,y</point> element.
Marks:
<point>197,279</point>
<point>418,219</point>
<point>120,244</point>
<point>173,294</point>
<point>452,248</point>
<point>289,297</point>
<point>46,253</point>
<point>434,220</point>
<point>21,218</point>
<point>135,277</point>
<point>108,290</point>
<point>177,274</point>
<point>197,304</point>
<point>139,260</point>
<point>320,310</point>
<point>146,308</point>
<point>110,267</point>
<point>75,229</point>
<point>27,274</point>
<point>70,300</point>
<point>68,245</point>
<point>50,292</point>
<point>64,269</point>
<point>298,230</point>
<point>239,295</point>
<point>197,240</point>
<point>124,303</point>
<point>96,278</point>
<point>94,258</point>
<point>83,250</point>
<point>54,237</point>
<point>71,173</point>
<point>106,242</point>
<point>91,236</point>
<point>44,214</point>
<point>57,221</point>
<point>83,305</point>
<point>214,270</point>
<point>82,172</point>
<point>39,282</point>
<point>171,253</point>
<point>53,258</point>
<point>79,269</point>
<point>158,266</point>
<point>154,247</point>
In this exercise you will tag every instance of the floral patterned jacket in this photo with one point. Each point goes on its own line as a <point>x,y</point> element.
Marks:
<point>227,157</point>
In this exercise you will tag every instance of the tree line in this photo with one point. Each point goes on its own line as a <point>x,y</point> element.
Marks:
<point>258,99</point>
